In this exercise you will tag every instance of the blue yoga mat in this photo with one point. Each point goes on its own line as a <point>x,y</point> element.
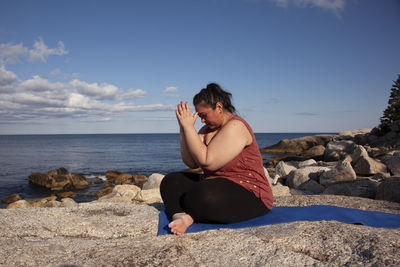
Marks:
<point>291,214</point>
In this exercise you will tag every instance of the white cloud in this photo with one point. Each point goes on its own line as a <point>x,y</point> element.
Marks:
<point>41,51</point>
<point>6,77</point>
<point>55,72</point>
<point>336,6</point>
<point>159,118</point>
<point>102,91</point>
<point>171,91</point>
<point>10,53</point>
<point>138,93</point>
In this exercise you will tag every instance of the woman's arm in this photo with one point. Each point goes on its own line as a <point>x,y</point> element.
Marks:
<point>224,147</point>
<point>185,154</point>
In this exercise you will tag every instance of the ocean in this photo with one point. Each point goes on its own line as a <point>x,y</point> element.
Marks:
<point>93,155</point>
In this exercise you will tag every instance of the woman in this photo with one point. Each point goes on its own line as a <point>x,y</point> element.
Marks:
<point>233,187</point>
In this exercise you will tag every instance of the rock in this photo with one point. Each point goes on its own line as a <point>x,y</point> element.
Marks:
<point>368,166</point>
<point>66,194</point>
<point>153,181</point>
<point>309,162</point>
<point>349,135</point>
<point>117,234</point>
<point>19,204</point>
<point>68,202</point>
<point>315,151</point>
<point>139,179</point>
<point>283,169</point>
<point>11,198</point>
<point>342,172</point>
<point>277,188</point>
<point>362,187</point>
<point>393,163</point>
<point>381,176</point>
<point>149,196</point>
<point>78,180</point>
<point>312,187</point>
<point>121,193</point>
<point>299,176</point>
<point>97,180</point>
<point>359,151</point>
<point>389,189</point>
<point>129,192</point>
<point>105,191</point>
<point>116,177</point>
<point>59,179</point>
<point>44,202</point>
<point>338,150</point>
<point>297,145</point>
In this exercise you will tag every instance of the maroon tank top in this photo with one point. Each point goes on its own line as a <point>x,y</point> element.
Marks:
<point>247,170</point>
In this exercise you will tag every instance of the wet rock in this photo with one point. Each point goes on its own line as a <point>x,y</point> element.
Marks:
<point>389,189</point>
<point>153,181</point>
<point>116,177</point>
<point>342,172</point>
<point>105,191</point>
<point>66,194</point>
<point>362,187</point>
<point>59,179</point>
<point>11,198</point>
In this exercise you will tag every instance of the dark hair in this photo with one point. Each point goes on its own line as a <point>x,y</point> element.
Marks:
<point>213,94</point>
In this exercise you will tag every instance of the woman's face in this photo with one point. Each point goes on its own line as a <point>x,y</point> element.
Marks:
<point>211,117</point>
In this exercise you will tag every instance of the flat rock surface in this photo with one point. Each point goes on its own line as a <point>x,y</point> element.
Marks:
<point>124,234</point>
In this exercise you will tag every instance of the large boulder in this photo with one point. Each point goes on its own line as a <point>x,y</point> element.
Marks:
<point>19,204</point>
<point>314,152</point>
<point>362,187</point>
<point>59,179</point>
<point>117,234</point>
<point>277,188</point>
<point>312,186</point>
<point>153,181</point>
<point>349,135</point>
<point>299,176</point>
<point>364,164</point>
<point>297,145</point>
<point>283,168</point>
<point>338,150</point>
<point>342,172</point>
<point>389,189</point>
<point>393,163</point>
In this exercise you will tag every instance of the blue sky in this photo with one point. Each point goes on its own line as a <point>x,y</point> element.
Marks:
<point>122,66</point>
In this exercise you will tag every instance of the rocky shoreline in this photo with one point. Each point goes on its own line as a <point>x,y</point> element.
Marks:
<point>354,169</point>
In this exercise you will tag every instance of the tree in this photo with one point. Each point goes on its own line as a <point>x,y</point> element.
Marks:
<point>392,112</point>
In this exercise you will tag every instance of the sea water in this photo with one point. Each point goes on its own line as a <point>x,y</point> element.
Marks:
<point>93,155</point>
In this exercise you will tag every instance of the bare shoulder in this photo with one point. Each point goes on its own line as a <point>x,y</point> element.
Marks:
<point>238,128</point>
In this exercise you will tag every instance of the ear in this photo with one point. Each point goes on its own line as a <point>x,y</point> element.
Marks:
<point>219,107</point>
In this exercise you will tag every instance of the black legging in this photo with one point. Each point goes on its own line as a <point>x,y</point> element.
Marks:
<point>217,200</point>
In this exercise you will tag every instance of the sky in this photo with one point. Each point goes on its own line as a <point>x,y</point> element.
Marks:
<point>71,67</point>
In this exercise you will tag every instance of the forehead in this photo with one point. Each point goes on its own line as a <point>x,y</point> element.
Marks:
<point>200,108</point>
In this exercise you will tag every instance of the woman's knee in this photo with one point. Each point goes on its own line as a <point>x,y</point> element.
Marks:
<point>170,178</point>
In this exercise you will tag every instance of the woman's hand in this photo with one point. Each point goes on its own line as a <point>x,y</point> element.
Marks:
<point>185,118</point>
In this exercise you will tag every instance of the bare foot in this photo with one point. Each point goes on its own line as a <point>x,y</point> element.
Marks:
<point>180,223</point>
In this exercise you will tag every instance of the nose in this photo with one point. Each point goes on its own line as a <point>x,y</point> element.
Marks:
<point>203,120</point>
